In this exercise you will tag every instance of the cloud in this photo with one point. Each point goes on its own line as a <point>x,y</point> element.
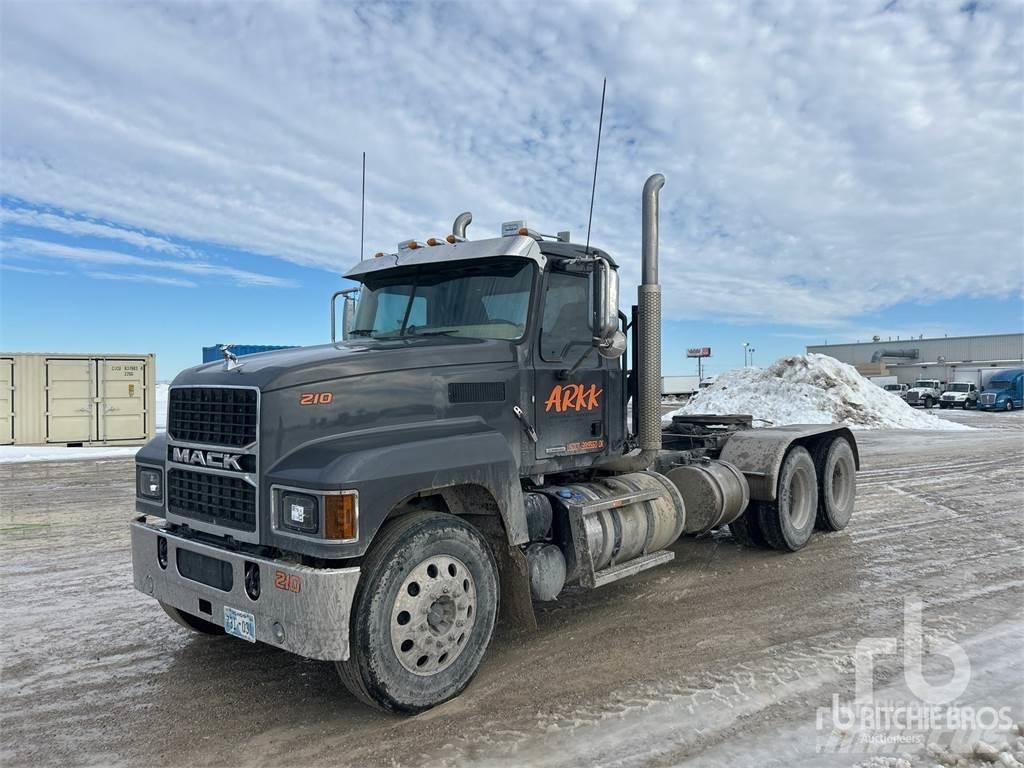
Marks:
<point>824,160</point>
<point>27,247</point>
<point>136,278</point>
<point>71,225</point>
<point>30,270</point>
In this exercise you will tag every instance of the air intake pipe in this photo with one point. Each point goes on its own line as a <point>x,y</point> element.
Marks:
<point>462,221</point>
<point>648,340</point>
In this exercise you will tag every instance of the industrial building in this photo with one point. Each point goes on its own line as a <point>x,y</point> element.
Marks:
<point>912,359</point>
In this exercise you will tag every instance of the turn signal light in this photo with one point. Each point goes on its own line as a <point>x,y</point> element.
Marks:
<point>341,516</point>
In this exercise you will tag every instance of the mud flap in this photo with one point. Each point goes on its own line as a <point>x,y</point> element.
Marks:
<point>516,607</point>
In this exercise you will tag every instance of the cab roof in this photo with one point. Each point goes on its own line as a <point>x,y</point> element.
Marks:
<point>519,246</point>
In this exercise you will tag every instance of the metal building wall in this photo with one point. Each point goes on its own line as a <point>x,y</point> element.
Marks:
<point>996,347</point>
<point>78,399</point>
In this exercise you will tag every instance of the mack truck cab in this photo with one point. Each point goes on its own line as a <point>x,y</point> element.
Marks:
<point>479,441</point>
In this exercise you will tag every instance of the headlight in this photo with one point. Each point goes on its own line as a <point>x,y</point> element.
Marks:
<point>149,483</point>
<point>299,512</point>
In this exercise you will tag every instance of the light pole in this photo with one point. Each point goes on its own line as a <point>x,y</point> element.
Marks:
<point>752,351</point>
<point>746,344</point>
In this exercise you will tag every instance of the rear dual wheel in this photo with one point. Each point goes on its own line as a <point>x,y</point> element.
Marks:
<point>788,522</point>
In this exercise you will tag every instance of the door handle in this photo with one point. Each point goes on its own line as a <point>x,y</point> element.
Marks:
<point>530,431</point>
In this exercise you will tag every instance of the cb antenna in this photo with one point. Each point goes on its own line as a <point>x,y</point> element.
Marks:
<point>597,157</point>
<point>362,211</point>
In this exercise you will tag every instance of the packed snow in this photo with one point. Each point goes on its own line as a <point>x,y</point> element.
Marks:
<point>810,389</point>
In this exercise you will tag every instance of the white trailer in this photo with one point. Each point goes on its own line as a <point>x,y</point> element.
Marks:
<point>679,385</point>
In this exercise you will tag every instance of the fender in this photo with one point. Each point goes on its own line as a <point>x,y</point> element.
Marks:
<point>388,465</point>
<point>758,453</point>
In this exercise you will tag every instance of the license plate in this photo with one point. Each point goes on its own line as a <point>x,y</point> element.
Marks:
<point>240,624</point>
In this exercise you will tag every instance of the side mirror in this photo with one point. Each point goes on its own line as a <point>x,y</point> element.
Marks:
<point>606,310</point>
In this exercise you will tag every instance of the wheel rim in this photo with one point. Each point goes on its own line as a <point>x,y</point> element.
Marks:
<point>433,615</point>
<point>799,507</point>
<point>842,485</point>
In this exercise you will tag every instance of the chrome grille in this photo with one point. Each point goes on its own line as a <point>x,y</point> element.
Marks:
<point>224,416</point>
<point>212,498</point>
<point>988,398</point>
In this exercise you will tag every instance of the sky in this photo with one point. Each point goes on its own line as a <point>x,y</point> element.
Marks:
<point>178,175</point>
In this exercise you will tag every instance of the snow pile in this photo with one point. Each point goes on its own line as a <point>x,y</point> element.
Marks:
<point>161,406</point>
<point>811,389</point>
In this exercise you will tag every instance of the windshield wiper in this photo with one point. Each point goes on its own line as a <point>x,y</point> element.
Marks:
<point>414,332</point>
<point>361,332</point>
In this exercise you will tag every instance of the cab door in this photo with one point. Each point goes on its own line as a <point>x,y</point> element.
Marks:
<point>569,411</point>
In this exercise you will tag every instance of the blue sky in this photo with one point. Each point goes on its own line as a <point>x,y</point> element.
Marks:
<point>175,176</point>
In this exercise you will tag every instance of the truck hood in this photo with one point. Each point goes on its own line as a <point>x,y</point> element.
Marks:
<point>299,366</point>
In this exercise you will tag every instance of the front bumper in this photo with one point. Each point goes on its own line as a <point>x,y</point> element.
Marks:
<point>300,609</point>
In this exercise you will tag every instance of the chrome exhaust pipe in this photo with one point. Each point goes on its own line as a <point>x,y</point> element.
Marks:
<point>649,319</point>
<point>648,394</point>
<point>462,221</point>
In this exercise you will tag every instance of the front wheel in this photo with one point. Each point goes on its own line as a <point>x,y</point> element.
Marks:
<point>1009,405</point>
<point>928,402</point>
<point>423,613</point>
<point>967,404</point>
<point>788,522</point>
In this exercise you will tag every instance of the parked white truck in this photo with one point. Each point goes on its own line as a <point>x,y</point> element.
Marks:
<point>960,394</point>
<point>925,392</point>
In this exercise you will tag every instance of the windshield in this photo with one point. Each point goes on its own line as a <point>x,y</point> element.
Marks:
<point>998,384</point>
<point>926,384</point>
<point>481,300</point>
<point>959,387</point>
<point>892,387</point>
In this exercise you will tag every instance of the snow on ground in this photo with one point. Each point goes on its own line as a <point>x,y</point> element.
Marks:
<point>16,454</point>
<point>811,389</point>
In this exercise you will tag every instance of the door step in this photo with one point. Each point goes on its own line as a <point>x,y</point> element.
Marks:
<point>630,567</point>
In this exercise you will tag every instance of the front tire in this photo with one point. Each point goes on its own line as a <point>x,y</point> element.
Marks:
<point>788,522</point>
<point>928,403</point>
<point>837,484</point>
<point>1009,405</point>
<point>194,623</point>
<point>423,613</point>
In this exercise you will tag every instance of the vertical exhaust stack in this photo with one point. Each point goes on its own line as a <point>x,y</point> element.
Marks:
<point>648,341</point>
<point>462,221</point>
<point>649,319</point>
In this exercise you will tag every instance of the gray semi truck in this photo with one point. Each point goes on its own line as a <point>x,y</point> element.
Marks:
<point>479,441</point>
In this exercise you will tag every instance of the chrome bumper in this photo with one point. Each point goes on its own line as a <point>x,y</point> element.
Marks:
<point>308,614</point>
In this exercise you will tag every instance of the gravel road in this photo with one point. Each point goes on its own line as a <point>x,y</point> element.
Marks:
<point>721,657</point>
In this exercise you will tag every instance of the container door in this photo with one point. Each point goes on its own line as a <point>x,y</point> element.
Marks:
<point>122,408</point>
<point>70,390</point>
<point>6,401</point>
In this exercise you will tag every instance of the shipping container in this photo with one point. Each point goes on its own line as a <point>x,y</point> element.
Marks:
<point>213,354</point>
<point>77,399</point>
